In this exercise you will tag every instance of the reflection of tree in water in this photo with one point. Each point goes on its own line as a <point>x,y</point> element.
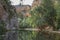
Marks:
<point>44,36</point>
<point>27,35</point>
<point>11,35</point>
<point>32,35</point>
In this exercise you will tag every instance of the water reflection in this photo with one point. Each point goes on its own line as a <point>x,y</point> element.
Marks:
<point>19,35</point>
<point>27,35</point>
<point>34,35</point>
<point>10,35</point>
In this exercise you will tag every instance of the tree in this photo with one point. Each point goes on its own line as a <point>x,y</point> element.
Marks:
<point>50,12</point>
<point>57,7</point>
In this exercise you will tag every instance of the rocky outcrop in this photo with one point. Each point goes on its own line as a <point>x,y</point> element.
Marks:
<point>36,3</point>
<point>9,17</point>
<point>24,8</point>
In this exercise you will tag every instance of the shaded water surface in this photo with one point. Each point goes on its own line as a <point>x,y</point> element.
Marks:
<point>28,35</point>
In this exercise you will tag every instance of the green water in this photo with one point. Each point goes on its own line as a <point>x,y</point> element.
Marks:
<point>34,35</point>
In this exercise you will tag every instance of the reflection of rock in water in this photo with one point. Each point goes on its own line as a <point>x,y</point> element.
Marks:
<point>12,35</point>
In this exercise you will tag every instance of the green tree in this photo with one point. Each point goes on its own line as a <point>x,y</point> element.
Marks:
<point>50,12</point>
<point>57,7</point>
<point>45,13</point>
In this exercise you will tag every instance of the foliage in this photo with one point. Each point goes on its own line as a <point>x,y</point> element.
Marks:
<point>40,15</point>
<point>50,12</point>
<point>8,8</point>
<point>22,21</point>
<point>37,16</point>
<point>2,27</point>
<point>57,7</point>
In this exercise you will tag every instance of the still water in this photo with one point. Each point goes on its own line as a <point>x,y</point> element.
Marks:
<point>26,35</point>
<point>18,35</point>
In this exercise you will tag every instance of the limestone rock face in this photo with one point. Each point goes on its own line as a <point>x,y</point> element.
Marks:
<point>36,3</point>
<point>24,8</point>
<point>9,17</point>
<point>2,11</point>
